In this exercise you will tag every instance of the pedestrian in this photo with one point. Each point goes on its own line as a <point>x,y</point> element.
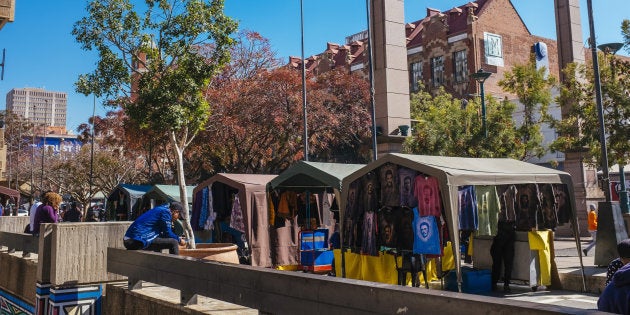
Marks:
<point>592,228</point>
<point>152,230</point>
<point>623,249</point>
<point>31,214</point>
<point>47,211</point>
<point>502,252</point>
<point>74,214</point>
<point>616,295</point>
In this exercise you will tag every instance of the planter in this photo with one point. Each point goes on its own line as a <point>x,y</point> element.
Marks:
<point>224,252</point>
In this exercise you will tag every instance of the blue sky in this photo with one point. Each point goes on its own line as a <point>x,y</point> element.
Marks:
<point>41,52</point>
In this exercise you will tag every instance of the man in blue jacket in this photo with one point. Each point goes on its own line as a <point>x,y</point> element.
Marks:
<point>152,230</point>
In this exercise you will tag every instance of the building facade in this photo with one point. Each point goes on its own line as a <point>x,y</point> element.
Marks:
<point>39,106</point>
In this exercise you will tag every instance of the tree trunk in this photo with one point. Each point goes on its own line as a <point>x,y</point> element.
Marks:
<point>181,180</point>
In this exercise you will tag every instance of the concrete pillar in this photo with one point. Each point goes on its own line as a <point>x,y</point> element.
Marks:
<point>391,77</point>
<point>571,49</point>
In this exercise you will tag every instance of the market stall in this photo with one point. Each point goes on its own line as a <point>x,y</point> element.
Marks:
<point>125,201</point>
<point>233,208</point>
<point>159,194</point>
<point>316,181</point>
<point>433,190</point>
<point>8,197</point>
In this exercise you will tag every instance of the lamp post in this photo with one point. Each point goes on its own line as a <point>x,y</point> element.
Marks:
<point>44,146</point>
<point>612,48</point>
<point>304,109</point>
<point>481,76</point>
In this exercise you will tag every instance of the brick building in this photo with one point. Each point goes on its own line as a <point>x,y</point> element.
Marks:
<point>445,47</point>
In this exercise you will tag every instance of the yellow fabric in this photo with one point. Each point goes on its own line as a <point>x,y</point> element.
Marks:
<point>539,241</point>
<point>271,209</point>
<point>379,268</point>
<point>469,252</point>
<point>448,263</point>
<point>382,268</point>
<point>287,267</point>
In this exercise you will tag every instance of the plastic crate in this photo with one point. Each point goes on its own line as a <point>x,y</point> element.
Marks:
<point>473,281</point>
<point>316,260</point>
<point>317,239</point>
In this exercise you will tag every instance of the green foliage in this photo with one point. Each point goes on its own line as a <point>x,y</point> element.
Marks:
<point>580,129</point>
<point>533,89</point>
<point>447,127</point>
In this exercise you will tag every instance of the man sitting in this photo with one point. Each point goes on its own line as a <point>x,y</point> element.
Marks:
<point>152,230</point>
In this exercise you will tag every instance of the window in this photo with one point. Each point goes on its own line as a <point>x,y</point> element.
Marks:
<point>460,70</point>
<point>415,75</point>
<point>437,71</point>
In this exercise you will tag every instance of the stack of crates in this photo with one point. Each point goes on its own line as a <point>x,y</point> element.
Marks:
<point>315,256</point>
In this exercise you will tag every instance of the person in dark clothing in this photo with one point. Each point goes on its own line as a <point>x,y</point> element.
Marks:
<point>616,295</point>
<point>502,252</point>
<point>152,230</point>
<point>74,214</point>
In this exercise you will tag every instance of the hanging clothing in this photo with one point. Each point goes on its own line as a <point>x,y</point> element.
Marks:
<point>208,221</point>
<point>468,218</point>
<point>271,209</point>
<point>386,227</point>
<point>427,193</point>
<point>528,214</point>
<point>370,192</point>
<point>389,185</point>
<point>565,212</point>
<point>196,211</point>
<point>426,234</point>
<point>406,179</point>
<point>488,207</point>
<point>368,239</point>
<point>404,229</point>
<point>507,200</point>
<point>236,218</point>
<point>288,204</point>
<point>353,199</point>
<point>549,206</point>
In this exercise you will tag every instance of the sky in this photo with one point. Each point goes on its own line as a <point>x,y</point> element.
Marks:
<point>42,53</point>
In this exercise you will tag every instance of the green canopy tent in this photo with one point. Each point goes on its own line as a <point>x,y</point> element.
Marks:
<point>452,172</point>
<point>161,194</point>
<point>126,199</point>
<point>315,177</point>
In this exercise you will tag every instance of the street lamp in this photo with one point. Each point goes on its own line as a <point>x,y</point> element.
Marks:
<point>44,145</point>
<point>481,76</point>
<point>612,48</point>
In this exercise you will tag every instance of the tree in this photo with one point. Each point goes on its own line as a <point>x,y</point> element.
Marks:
<point>533,87</point>
<point>157,67</point>
<point>580,129</point>
<point>450,127</point>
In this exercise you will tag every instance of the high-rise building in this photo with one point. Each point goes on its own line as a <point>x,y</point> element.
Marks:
<point>39,106</point>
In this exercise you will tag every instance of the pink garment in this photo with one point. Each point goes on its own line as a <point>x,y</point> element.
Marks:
<point>427,192</point>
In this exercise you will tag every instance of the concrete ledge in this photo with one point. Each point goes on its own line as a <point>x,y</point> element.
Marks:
<point>19,242</point>
<point>72,254</point>
<point>303,293</point>
<point>18,276</point>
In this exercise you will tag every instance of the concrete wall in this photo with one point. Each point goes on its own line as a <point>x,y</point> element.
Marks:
<point>76,253</point>
<point>13,224</point>
<point>18,276</point>
<point>280,292</point>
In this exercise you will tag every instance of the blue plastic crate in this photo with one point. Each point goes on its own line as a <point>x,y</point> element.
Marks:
<point>317,239</point>
<point>473,281</point>
<point>316,258</point>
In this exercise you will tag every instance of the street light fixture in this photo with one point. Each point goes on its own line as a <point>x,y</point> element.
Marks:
<point>481,76</point>
<point>44,145</point>
<point>612,49</point>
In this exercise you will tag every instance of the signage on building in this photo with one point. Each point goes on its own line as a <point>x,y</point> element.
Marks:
<point>59,145</point>
<point>357,37</point>
<point>542,57</point>
<point>493,44</point>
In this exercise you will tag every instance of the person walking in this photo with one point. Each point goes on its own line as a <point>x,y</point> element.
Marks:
<point>152,230</point>
<point>592,228</point>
